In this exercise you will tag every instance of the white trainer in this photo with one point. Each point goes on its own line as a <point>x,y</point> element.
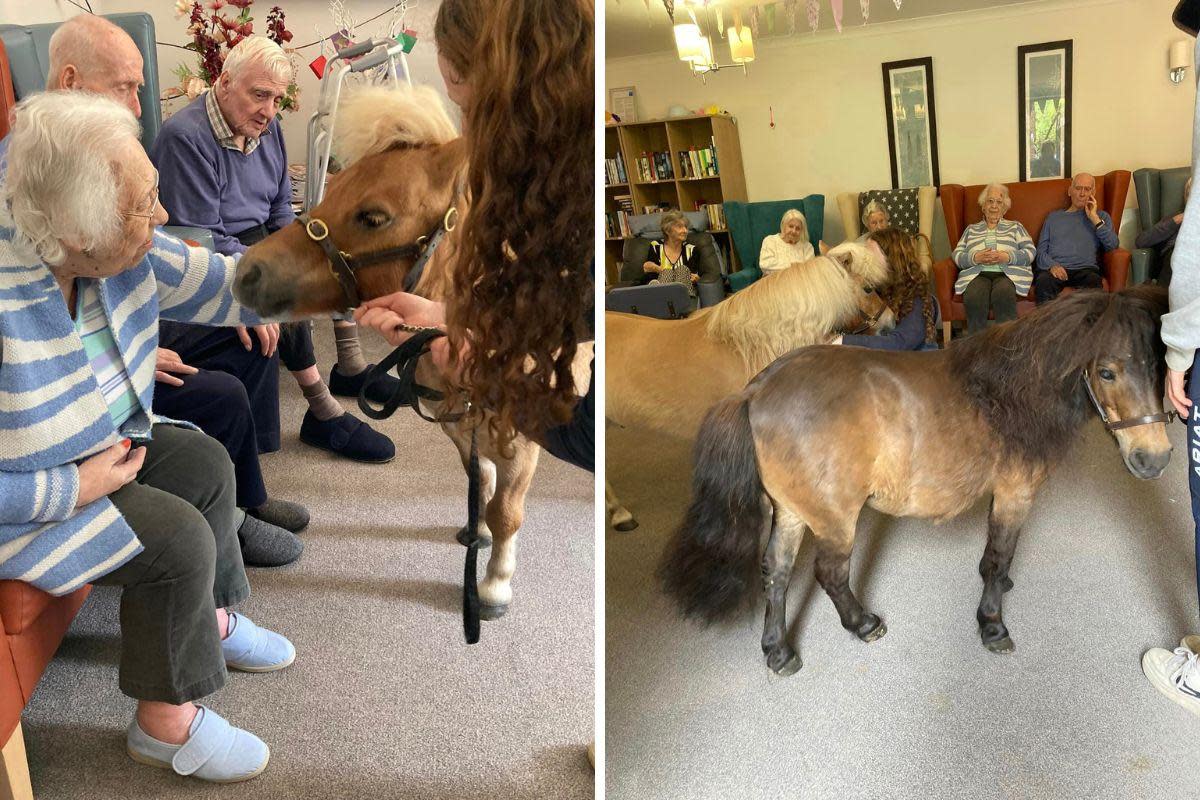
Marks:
<point>1175,674</point>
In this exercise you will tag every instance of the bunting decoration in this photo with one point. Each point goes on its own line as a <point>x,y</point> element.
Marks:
<point>793,8</point>
<point>755,16</point>
<point>814,14</point>
<point>769,14</point>
<point>865,5</point>
<point>670,6</point>
<point>317,65</point>
<point>720,22</point>
<point>898,3</point>
<point>836,6</point>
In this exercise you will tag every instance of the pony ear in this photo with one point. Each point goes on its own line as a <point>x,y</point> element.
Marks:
<point>877,251</point>
<point>822,247</point>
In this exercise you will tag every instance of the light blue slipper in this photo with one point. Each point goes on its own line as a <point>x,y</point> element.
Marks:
<point>215,750</point>
<point>250,648</point>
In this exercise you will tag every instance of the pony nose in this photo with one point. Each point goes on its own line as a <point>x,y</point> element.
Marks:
<point>1146,464</point>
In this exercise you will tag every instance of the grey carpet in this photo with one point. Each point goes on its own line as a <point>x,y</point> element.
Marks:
<point>1104,570</point>
<point>385,699</point>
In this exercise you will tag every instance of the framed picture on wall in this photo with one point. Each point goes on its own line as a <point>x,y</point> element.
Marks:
<point>911,122</point>
<point>1044,110</point>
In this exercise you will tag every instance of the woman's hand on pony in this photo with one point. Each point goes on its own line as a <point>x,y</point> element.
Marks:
<point>386,314</point>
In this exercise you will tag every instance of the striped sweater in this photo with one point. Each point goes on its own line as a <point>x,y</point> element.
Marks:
<point>1011,238</point>
<point>52,413</point>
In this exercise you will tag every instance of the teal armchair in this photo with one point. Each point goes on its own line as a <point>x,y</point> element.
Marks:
<point>750,223</point>
<point>1159,194</point>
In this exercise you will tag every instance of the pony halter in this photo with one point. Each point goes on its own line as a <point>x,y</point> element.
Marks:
<point>342,265</point>
<point>1149,419</point>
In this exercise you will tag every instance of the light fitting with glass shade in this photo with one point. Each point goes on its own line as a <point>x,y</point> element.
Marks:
<point>695,49</point>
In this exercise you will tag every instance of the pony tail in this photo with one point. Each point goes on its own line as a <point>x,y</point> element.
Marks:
<point>710,565</point>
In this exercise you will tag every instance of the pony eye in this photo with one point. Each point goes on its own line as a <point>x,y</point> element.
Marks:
<point>372,219</point>
<point>1106,374</point>
<point>868,290</point>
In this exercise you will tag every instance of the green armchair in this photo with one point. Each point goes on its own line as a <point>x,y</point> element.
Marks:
<point>750,223</point>
<point>1159,194</point>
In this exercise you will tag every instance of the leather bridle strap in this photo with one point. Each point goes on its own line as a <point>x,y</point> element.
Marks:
<point>405,359</point>
<point>1133,422</point>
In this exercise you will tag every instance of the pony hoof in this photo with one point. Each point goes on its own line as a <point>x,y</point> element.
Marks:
<point>625,526</point>
<point>484,541</point>
<point>872,628</point>
<point>491,612</point>
<point>789,667</point>
<point>1004,645</point>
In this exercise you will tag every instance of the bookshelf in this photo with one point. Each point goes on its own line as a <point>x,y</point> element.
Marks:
<point>671,181</point>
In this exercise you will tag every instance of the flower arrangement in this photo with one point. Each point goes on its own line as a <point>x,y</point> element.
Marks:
<point>214,33</point>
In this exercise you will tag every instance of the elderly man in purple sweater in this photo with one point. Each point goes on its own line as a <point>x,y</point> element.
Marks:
<point>1071,241</point>
<point>223,166</point>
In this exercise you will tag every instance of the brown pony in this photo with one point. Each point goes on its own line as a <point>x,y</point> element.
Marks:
<point>662,375</point>
<point>992,414</point>
<point>403,164</point>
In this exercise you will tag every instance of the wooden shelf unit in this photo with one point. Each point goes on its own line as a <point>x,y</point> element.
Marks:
<point>673,135</point>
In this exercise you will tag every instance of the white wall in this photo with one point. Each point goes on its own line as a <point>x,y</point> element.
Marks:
<point>830,130</point>
<point>304,19</point>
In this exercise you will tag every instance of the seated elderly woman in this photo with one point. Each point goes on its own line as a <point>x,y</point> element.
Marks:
<point>875,217</point>
<point>789,246</point>
<point>672,259</point>
<point>1162,239</point>
<point>994,258</point>
<point>909,295</point>
<point>94,488</point>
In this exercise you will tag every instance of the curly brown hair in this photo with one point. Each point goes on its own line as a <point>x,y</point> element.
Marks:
<point>523,284</point>
<point>909,278</point>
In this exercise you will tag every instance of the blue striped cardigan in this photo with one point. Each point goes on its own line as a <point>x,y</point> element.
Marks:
<point>52,413</point>
<point>1012,238</point>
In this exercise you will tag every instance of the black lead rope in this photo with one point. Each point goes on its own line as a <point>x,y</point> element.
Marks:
<point>410,393</point>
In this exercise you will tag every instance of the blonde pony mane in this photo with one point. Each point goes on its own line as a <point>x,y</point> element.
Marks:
<point>795,307</point>
<point>373,119</point>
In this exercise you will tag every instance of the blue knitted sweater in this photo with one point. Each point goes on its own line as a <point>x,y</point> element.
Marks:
<point>52,414</point>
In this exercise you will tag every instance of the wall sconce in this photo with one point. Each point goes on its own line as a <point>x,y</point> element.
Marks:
<point>1179,59</point>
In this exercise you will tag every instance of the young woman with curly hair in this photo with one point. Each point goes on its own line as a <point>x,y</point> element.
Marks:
<point>522,71</point>
<point>909,295</point>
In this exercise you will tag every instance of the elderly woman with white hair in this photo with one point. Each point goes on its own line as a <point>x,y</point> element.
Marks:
<point>875,217</point>
<point>94,487</point>
<point>789,246</point>
<point>994,258</point>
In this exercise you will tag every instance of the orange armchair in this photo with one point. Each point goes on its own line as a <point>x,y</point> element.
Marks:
<point>1032,202</point>
<point>34,622</point>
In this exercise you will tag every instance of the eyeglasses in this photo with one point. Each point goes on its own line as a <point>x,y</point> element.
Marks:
<point>153,207</point>
<point>153,203</point>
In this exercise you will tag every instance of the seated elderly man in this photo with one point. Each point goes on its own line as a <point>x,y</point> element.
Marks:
<point>84,275</point>
<point>789,246</point>
<point>92,54</point>
<point>1162,238</point>
<point>1071,241</point>
<point>224,167</point>
<point>993,257</point>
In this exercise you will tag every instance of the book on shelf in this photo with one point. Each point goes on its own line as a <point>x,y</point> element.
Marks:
<point>614,170</point>
<point>698,162</point>
<point>654,208</point>
<point>654,166</point>
<point>616,225</point>
<point>716,215</point>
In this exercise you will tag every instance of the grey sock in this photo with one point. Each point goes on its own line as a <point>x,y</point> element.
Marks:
<point>321,402</point>
<point>350,359</point>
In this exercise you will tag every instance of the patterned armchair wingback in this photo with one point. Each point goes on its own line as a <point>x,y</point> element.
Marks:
<point>898,201</point>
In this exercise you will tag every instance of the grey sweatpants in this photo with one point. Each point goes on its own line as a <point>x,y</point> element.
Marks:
<point>181,506</point>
